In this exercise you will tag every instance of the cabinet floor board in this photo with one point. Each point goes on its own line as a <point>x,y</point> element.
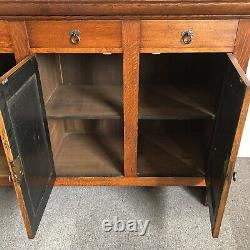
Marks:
<point>90,155</point>
<point>170,155</point>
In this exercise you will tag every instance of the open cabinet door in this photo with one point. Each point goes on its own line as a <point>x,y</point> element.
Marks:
<point>228,129</point>
<point>25,137</point>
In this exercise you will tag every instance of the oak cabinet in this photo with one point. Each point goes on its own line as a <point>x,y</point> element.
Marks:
<point>120,101</point>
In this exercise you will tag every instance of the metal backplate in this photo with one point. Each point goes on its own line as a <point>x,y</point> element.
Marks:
<point>17,170</point>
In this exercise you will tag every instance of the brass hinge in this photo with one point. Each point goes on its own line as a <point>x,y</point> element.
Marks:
<point>4,81</point>
<point>17,170</point>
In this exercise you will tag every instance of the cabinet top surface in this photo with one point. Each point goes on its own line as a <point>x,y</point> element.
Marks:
<point>124,8</point>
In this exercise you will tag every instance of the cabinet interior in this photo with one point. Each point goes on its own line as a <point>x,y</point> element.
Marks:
<point>179,96</point>
<point>83,101</point>
<point>7,62</point>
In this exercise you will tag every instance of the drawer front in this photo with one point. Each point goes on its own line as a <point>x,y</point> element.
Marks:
<point>188,36</point>
<point>56,36</point>
<point>5,41</point>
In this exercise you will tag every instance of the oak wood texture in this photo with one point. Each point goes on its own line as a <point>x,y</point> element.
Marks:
<point>4,169</point>
<point>50,74</point>
<point>100,102</point>
<point>82,85</point>
<point>5,182</point>
<point>89,102</point>
<point>124,181</point>
<point>56,131</point>
<point>167,102</point>
<point>242,44</point>
<point>91,69</point>
<point>236,144</point>
<point>166,36</point>
<point>131,181</point>
<point>131,44</point>
<point>5,40</point>
<point>78,137</point>
<point>92,126</point>
<point>19,193</point>
<point>124,8</point>
<point>173,155</point>
<point>19,40</point>
<point>96,36</point>
<point>89,155</point>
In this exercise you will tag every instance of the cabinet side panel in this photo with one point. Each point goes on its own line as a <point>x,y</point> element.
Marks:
<point>242,44</point>
<point>50,74</point>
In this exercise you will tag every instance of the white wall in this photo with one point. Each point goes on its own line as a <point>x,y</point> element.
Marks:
<point>245,142</point>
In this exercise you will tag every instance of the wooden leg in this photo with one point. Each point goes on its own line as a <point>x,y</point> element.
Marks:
<point>204,197</point>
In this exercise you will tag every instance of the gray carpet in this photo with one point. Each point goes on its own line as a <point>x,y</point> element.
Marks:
<point>73,218</point>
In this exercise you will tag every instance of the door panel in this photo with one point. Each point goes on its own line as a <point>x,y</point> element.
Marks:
<point>220,167</point>
<point>26,140</point>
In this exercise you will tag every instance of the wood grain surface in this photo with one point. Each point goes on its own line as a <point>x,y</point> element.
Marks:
<point>242,45</point>
<point>20,40</point>
<point>5,40</point>
<point>94,35</point>
<point>124,8</point>
<point>131,45</point>
<point>131,181</point>
<point>166,36</point>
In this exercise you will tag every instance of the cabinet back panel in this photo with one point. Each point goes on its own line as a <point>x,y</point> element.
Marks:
<point>201,69</point>
<point>93,126</point>
<point>82,85</point>
<point>180,85</point>
<point>172,148</point>
<point>87,147</point>
<point>91,69</point>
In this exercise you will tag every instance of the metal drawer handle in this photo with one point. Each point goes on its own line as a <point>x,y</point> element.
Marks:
<point>187,36</point>
<point>75,36</point>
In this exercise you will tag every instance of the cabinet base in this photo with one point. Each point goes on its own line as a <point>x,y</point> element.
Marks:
<point>123,181</point>
<point>130,181</point>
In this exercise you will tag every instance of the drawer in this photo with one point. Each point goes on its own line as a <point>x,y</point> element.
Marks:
<point>5,41</point>
<point>66,36</point>
<point>199,35</point>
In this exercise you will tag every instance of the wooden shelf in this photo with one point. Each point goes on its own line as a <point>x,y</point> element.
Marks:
<point>86,102</point>
<point>168,102</point>
<point>90,155</point>
<point>158,102</point>
<point>174,155</point>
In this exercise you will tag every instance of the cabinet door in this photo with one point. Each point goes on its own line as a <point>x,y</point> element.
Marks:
<point>229,121</point>
<point>25,136</point>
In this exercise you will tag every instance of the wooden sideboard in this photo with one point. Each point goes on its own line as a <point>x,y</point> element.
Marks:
<point>121,93</point>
